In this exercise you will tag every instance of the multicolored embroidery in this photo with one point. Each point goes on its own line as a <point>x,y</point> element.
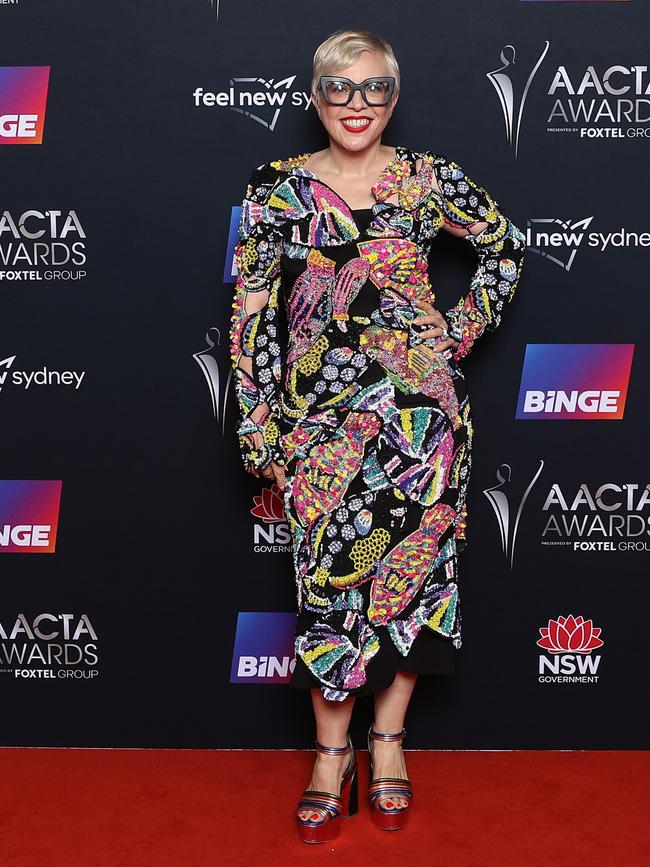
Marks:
<point>374,427</point>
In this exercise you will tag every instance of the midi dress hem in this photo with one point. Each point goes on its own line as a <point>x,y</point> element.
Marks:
<point>430,654</point>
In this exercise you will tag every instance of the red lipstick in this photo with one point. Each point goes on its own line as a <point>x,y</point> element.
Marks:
<point>356,122</point>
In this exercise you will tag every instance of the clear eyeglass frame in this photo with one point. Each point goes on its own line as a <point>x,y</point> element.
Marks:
<point>388,80</point>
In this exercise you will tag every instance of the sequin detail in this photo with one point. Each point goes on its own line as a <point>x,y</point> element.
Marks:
<point>374,427</point>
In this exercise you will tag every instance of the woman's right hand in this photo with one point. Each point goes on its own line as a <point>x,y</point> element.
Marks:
<point>273,471</point>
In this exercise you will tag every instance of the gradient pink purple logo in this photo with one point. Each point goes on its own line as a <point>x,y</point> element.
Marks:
<point>264,650</point>
<point>29,516</point>
<point>574,381</point>
<point>23,97</point>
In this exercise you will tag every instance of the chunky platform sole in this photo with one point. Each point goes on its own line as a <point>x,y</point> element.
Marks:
<point>326,808</point>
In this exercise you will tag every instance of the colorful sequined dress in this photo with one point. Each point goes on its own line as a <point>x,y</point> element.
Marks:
<point>374,428</point>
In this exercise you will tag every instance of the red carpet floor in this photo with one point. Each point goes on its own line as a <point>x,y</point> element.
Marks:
<point>203,807</point>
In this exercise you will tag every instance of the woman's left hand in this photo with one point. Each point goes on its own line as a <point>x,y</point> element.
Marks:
<point>435,318</point>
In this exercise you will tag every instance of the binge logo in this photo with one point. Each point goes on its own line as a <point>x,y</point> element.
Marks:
<point>574,380</point>
<point>229,270</point>
<point>23,97</point>
<point>569,641</point>
<point>264,647</point>
<point>29,516</point>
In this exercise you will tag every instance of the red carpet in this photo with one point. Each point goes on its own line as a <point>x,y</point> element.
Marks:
<point>205,807</point>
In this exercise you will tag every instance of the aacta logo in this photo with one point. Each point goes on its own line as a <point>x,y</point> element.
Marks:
<point>273,533</point>
<point>49,646</point>
<point>570,641</point>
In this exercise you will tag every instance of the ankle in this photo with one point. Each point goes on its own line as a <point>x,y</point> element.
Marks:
<point>389,727</point>
<point>326,761</point>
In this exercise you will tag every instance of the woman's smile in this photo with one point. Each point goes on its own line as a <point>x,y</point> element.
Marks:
<point>356,123</point>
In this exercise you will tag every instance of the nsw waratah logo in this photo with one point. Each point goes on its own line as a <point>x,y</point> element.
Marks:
<point>270,531</point>
<point>269,506</point>
<point>569,641</point>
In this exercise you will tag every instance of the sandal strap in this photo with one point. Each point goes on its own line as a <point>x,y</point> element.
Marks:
<point>313,798</point>
<point>380,736</point>
<point>334,751</point>
<point>390,786</point>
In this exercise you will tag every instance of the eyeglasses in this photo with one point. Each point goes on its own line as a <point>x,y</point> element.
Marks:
<point>339,91</point>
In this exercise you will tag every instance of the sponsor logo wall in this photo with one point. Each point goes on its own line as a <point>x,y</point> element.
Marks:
<point>169,588</point>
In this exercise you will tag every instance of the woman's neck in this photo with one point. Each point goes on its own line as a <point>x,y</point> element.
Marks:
<point>339,161</point>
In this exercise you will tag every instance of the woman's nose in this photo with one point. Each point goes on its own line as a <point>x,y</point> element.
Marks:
<point>357,103</point>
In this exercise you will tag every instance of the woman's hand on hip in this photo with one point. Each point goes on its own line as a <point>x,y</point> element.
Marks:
<point>275,472</point>
<point>434,317</point>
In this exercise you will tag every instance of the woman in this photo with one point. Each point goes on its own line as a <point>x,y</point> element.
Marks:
<point>352,400</point>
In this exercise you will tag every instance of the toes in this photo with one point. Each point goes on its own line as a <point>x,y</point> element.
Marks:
<point>390,803</point>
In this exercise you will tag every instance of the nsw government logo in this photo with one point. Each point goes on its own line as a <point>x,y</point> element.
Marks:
<point>569,642</point>
<point>264,649</point>
<point>271,531</point>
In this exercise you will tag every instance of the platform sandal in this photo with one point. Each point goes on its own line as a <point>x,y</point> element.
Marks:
<point>386,814</point>
<point>323,821</point>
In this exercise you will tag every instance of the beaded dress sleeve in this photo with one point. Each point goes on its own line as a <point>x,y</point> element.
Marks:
<point>255,346</point>
<point>500,250</point>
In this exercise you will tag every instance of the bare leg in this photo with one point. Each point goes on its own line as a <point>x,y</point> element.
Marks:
<point>391,705</point>
<point>332,722</point>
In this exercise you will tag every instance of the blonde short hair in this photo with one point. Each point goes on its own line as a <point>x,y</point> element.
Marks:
<point>341,50</point>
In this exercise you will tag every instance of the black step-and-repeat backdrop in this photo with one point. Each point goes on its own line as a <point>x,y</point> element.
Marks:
<point>147,587</point>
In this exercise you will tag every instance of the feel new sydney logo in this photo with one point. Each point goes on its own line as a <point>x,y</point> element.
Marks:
<point>260,99</point>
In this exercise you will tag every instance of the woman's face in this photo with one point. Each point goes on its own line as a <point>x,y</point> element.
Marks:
<point>357,125</point>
